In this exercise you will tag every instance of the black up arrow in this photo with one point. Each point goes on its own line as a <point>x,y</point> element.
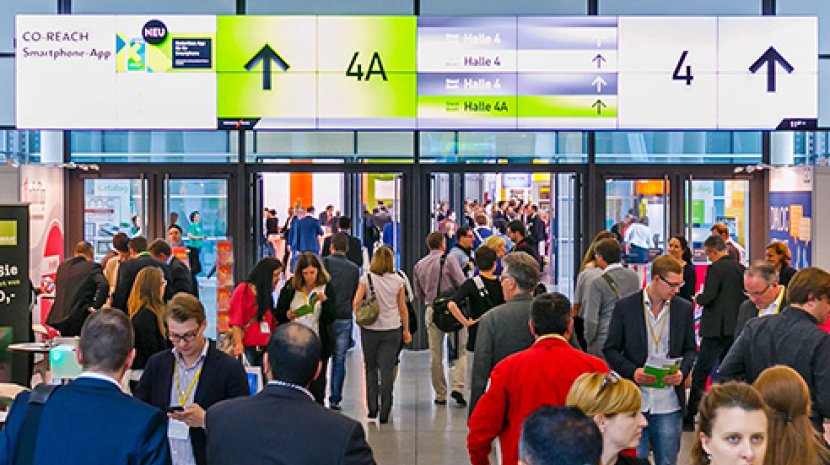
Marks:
<point>599,105</point>
<point>769,58</point>
<point>266,54</point>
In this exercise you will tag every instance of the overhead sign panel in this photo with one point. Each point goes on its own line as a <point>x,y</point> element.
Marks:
<point>407,72</point>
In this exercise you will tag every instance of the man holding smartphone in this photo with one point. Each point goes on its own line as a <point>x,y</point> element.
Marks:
<point>187,379</point>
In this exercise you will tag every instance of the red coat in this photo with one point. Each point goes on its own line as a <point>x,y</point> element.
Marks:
<point>519,384</point>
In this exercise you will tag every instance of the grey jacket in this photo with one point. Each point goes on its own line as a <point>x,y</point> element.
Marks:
<point>598,305</point>
<point>502,331</point>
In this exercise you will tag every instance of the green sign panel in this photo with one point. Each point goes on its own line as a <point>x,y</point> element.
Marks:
<point>8,233</point>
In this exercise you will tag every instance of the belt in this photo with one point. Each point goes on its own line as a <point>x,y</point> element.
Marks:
<point>257,348</point>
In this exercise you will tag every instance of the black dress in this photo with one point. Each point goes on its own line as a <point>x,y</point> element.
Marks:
<point>786,274</point>
<point>626,460</point>
<point>690,280</point>
<point>148,338</point>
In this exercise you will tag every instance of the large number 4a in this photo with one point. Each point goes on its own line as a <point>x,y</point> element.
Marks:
<point>683,77</point>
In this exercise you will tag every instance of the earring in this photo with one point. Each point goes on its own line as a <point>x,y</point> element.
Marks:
<point>708,458</point>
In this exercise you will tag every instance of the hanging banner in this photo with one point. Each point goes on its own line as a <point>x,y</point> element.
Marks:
<point>791,212</point>
<point>15,320</point>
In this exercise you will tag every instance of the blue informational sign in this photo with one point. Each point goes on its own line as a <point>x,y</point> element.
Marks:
<point>791,216</point>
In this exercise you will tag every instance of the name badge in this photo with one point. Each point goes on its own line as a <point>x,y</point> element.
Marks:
<point>177,429</point>
<point>264,328</point>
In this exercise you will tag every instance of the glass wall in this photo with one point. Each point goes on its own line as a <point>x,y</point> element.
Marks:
<point>503,147</point>
<point>679,147</point>
<point>349,147</point>
<point>154,146</point>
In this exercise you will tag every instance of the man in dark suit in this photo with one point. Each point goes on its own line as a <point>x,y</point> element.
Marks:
<point>355,252</point>
<point>183,280</point>
<point>722,295</point>
<point>764,295</point>
<point>201,375</point>
<point>516,232</point>
<point>274,426</point>
<point>89,420</point>
<point>347,275</point>
<point>128,270</point>
<point>79,285</point>
<point>791,338</point>
<point>656,322</point>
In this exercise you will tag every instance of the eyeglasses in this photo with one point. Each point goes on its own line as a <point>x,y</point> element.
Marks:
<point>671,284</point>
<point>759,293</point>
<point>612,377</point>
<point>186,337</point>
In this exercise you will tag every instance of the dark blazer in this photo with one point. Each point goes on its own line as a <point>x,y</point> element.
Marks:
<point>626,348</point>
<point>90,421</point>
<point>222,378</point>
<point>722,294</point>
<point>786,274</point>
<point>689,282</point>
<point>328,314</point>
<point>127,271</point>
<point>183,280</point>
<point>748,311</point>
<point>279,426</point>
<point>355,253</point>
<point>527,247</point>
<point>79,284</point>
<point>149,340</point>
<point>347,276</point>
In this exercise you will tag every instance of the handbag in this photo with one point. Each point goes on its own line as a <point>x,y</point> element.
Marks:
<point>410,307</point>
<point>226,345</point>
<point>368,311</point>
<point>442,317</point>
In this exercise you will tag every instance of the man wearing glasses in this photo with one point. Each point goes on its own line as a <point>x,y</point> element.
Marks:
<point>655,322</point>
<point>764,295</point>
<point>723,293</point>
<point>462,252</point>
<point>187,379</point>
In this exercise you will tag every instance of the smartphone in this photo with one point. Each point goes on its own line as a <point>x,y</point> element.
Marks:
<point>175,408</point>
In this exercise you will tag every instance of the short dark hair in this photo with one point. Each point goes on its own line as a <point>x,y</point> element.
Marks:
<point>485,258</point>
<point>175,226</point>
<point>715,242</point>
<point>160,247</point>
<point>120,242</point>
<point>344,222</point>
<point>294,352</point>
<point>550,313</point>
<point>310,209</point>
<point>138,244</point>
<point>609,249</point>
<point>811,282</point>
<point>106,340</point>
<point>463,231</point>
<point>517,226</point>
<point>559,435</point>
<point>193,214</point>
<point>84,248</point>
<point>340,242</point>
<point>184,306</point>
<point>434,240</point>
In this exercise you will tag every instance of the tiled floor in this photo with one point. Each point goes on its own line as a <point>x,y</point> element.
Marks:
<point>419,433</point>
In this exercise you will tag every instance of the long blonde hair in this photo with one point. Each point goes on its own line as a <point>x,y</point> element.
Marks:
<point>146,293</point>
<point>604,394</point>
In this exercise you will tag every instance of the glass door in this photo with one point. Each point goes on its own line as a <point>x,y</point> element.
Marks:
<point>200,208</point>
<point>563,229</point>
<point>112,206</point>
<point>381,195</point>
<point>711,201</point>
<point>637,211</point>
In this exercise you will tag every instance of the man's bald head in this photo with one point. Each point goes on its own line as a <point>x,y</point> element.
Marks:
<point>294,352</point>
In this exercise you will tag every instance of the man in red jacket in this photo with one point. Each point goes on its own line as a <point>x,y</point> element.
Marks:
<point>526,380</point>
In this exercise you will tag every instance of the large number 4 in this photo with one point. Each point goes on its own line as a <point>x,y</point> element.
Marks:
<point>681,77</point>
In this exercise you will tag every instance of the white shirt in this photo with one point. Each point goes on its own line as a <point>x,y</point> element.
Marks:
<point>657,401</point>
<point>386,291</point>
<point>638,234</point>
<point>774,307</point>
<point>181,450</point>
<point>99,376</point>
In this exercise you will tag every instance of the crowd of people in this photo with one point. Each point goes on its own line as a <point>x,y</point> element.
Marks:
<point>601,379</point>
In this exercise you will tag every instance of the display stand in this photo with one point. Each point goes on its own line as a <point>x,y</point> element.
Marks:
<point>224,285</point>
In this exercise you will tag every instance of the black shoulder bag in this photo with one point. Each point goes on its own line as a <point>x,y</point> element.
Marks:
<point>27,439</point>
<point>441,315</point>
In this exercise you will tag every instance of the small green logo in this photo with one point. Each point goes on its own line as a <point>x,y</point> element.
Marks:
<point>8,233</point>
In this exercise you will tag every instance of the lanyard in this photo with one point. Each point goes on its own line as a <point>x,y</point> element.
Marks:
<point>183,399</point>
<point>659,335</point>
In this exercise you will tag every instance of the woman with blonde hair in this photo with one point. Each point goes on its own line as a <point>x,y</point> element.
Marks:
<point>792,438</point>
<point>499,244</point>
<point>146,309</point>
<point>732,428</point>
<point>614,404</point>
<point>382,339</point>
<point>309,299</point>
<point>778,254</point>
